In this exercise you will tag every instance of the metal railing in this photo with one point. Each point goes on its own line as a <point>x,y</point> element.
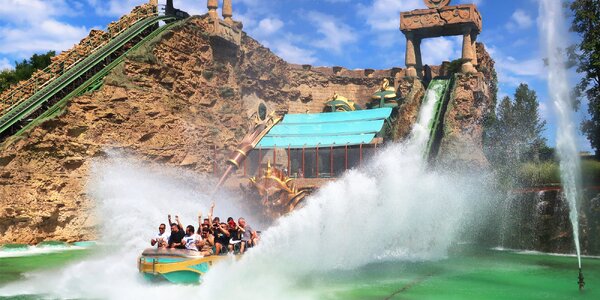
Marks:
<point>24,90</point>
<point>26,106</point>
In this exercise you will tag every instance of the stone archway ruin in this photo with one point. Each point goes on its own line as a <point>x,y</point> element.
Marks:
<point>213,5</point>
<point>438,21</point>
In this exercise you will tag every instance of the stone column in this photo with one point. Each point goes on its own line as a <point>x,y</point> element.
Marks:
<point>474,42</point>
<point>419,58</point>
<point>212,6</point>
<point>411,60</point>
<point>227,12</point>
<point>467,53</point>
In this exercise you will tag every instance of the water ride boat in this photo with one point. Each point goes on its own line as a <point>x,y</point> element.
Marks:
<point>175,265</point>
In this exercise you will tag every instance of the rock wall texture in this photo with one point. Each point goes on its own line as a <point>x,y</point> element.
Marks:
<point>413,93</point>
<point>540,221</point>
<point>170,102</point>
<point>461,145</point>
<point>471,100</point>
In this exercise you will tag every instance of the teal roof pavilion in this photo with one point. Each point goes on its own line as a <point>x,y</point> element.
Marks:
<point>333,129</point>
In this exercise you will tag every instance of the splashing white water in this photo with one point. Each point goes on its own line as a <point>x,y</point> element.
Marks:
<point>392,209</point>
<point>555,33</point>
<point>132,200</point>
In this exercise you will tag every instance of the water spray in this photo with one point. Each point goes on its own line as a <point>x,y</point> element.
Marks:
<point>554,33</point>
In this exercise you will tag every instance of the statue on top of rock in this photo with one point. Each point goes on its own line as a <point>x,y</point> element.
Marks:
<point>436,3</point>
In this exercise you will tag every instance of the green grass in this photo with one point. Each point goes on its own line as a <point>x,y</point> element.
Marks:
<point>547,173</point>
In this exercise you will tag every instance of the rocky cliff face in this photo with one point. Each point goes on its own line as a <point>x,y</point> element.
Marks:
<point>461,146</point>
<point>540,221</point>
<point>171,102</point>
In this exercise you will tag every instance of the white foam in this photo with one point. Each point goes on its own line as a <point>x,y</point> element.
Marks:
<point>533,252</point>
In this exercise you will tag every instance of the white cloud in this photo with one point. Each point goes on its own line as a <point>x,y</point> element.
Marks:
<point>268,26</point>
<point>525,67</point>
<point>335,34</point>
<point>5,64</point>
<point>293,54</point>
<point>435,51</point>
<point>192,7</point>
<point>118,8</point>
<point>41,36</point>
<point>519,20</point>
<point>385,14</point>
<point>114,8</point>
<point>32,26</point>
<point>512,71</point>
<point>29,11</point>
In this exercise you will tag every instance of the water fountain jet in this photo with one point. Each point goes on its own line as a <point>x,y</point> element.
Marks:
<point>554,31</point>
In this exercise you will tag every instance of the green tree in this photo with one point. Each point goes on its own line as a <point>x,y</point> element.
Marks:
<point>586,22</point>
<point>24,69</point>
<point>499,135</point>
<point>516,135</point>
<point>529,125</point>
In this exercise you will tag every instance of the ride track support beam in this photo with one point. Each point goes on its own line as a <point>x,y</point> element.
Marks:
<point>317,161</point>
<point>289,161</point>
<point>303,169</point>
<point>360,157</point>
<point>346,158</point>
<point>259,161</point>
<point>331,161</point>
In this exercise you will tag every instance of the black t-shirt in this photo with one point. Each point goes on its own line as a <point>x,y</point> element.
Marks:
<point>235,234</point>
<point>221,237</point>
<point>176,237</point>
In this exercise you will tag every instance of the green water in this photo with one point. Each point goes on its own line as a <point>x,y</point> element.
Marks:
<point>472,275</point>
<point>481,275</point>
<point>14,268</point>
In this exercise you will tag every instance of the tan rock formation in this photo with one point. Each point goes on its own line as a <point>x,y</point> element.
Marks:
<point>413,92</point>
<point>168,103</point>
<point>461,147</point>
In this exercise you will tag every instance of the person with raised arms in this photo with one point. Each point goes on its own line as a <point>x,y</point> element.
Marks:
<point>206,242</point>
<point>177,234</point>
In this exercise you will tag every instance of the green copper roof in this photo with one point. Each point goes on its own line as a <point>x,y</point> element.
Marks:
<point>326,129</point>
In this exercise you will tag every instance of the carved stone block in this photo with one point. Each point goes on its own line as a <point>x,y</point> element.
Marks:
<point>444,21</point>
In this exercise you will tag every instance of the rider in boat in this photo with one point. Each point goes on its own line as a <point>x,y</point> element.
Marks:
<point>190,240</point>
<point>177,234</point>
<point>161,240</point>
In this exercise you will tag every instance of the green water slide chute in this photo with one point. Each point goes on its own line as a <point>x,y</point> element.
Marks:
<point>22,110</point>
<point>441,86</point>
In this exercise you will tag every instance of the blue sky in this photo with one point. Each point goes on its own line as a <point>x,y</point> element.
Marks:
<point>349,33</point>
